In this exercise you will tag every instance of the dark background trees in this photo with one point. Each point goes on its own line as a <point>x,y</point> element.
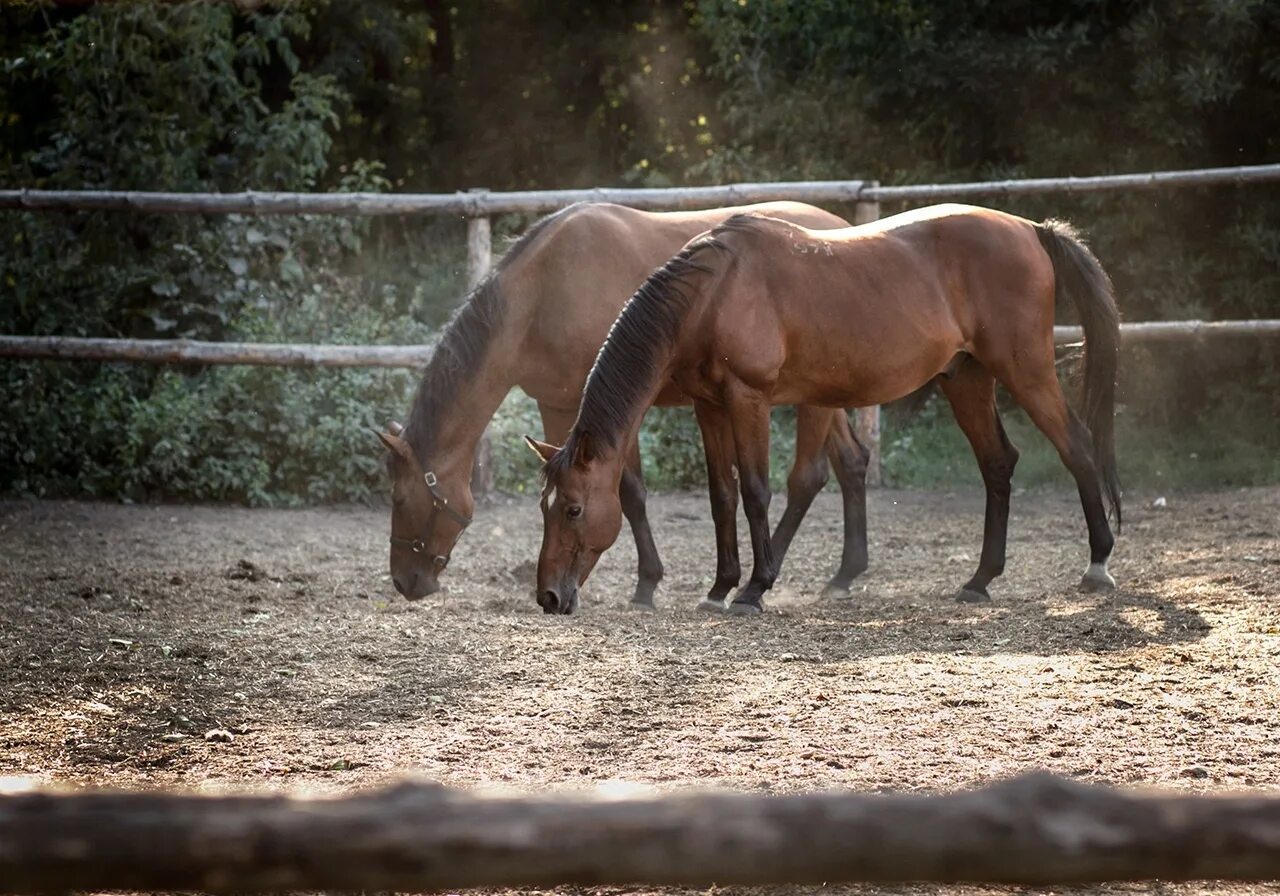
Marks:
<point>424,95</point>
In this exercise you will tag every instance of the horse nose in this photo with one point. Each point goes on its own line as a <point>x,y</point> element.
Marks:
<point>415,588</point>
<point>549,601</point>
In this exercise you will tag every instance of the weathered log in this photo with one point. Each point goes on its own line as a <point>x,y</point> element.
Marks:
<point>480,202</point>
<point>1033,830</point>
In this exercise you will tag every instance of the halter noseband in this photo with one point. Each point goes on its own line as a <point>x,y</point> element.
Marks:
<point>439,505</point>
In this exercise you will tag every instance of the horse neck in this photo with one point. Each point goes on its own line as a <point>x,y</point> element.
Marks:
<point>456,425</point>
<point>619,392</point>
<point>460,427</point>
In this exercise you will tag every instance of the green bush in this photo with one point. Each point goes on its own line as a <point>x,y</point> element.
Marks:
<point>391,94</point>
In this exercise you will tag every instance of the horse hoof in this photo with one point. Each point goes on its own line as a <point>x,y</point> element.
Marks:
<point>1097,580</point>
<point>707,605</point>
<point>835,592</point>
<point>745,608</point>
<point>969,596</point>
<point>638,603</point>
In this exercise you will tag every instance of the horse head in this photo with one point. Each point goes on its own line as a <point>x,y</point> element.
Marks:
<point>581,517</point>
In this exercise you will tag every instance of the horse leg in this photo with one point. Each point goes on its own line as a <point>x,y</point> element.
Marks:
<point>749,412</point>
<point>972,393</point>
<point>556,424</point>
<point>808,474</point>
<point>633,495</point>
<point>717,445</point>
<point>849,457</point>
<point>1040,395</point>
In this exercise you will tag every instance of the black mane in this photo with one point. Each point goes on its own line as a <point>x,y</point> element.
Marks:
<point>635,349</point>
<point>462,348</point>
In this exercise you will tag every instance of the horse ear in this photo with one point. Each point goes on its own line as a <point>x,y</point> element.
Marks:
<point>394,428</point>
<point>542,449</point>
<point>584,449</point>
<point>394,444</point>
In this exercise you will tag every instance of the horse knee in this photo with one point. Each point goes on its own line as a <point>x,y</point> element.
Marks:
<point>651,570</point>
<point>852,461</point>
<point>724,497</point>
<point>632,494</point>
<point>808,479</point>
<point>997,472</point>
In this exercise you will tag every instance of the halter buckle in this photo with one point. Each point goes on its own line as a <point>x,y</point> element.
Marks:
<point>430,479</point>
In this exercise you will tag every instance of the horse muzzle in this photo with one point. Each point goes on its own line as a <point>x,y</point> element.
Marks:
<point>554,601</point>
<point>416,585</point>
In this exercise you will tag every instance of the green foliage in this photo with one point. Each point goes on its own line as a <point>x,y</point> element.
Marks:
<point>409,95</point>
<point>192,97</point>
<point>515,467</point>
<point>926,449</point>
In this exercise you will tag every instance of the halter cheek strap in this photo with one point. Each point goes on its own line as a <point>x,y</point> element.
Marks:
<point>439,505</point>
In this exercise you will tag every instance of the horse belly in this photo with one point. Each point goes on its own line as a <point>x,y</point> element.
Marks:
<point>843,369</point>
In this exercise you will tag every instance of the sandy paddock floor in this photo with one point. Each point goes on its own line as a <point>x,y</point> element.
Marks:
<point>130,631</point>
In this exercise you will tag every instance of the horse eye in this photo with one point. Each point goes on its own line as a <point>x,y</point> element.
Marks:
<point>573,511</point>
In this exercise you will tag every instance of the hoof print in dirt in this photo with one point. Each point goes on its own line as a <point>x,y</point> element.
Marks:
<point>969,596</point>
<point>525,572</point>
<point>248,571</point>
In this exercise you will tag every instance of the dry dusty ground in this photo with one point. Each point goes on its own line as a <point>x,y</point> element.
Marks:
<point>128,632</point>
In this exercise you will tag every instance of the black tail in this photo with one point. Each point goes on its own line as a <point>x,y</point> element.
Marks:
<point>1080,276</point>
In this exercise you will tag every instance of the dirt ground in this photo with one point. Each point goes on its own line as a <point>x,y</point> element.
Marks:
<point>128,632</point>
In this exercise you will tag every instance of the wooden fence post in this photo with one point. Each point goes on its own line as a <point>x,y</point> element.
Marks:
<point>479,250</point>
<point>867,420</point>
<point>479,260</point>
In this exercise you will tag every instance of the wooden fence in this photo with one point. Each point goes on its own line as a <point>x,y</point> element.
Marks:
<point>1036,830</point>
<point>478,205</point>
<point>275,354</point>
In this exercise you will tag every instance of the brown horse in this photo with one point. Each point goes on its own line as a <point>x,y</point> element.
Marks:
<point>761,312</point>
<point>537,323</point>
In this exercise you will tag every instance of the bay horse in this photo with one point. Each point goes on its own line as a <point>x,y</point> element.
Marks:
<point>759,312</point>
<point>536,322</point>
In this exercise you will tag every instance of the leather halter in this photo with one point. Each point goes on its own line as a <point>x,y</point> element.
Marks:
<point>439,505</point>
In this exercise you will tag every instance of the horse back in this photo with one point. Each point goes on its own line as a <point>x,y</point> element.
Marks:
<point>568,285</point>
<point>888,304</point>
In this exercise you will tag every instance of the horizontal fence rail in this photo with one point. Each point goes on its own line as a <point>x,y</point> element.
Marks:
<point>191,351</point>
<point>480,203</point>
<point>1035,830</point>
<point>1151,180</point>
<point>188,351</point>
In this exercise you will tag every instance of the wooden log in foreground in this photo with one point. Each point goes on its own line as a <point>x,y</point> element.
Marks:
<point>187,351</point>
<point>1034,830</point>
